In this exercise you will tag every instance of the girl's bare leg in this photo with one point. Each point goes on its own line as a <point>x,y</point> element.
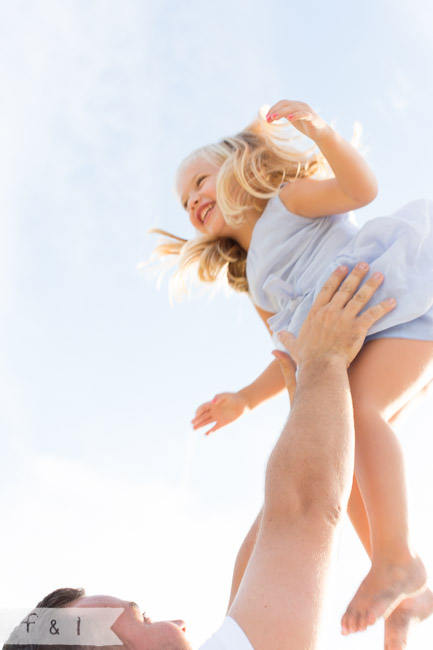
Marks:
<point>243,557</point>
<point>386,375</point>
<point>399,623</point>
<point>358,517</point>
<point>411,610</point>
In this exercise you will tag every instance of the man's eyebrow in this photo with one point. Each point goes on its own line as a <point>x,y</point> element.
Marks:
<point>133,605</point>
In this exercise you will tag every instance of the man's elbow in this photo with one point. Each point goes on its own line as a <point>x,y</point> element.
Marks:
<point>294,506</point>
<point>301,494</point>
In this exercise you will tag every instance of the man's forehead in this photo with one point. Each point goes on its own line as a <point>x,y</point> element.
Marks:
<point>102,601</point>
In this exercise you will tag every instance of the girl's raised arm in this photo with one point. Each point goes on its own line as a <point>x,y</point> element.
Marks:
<point>353,185</point>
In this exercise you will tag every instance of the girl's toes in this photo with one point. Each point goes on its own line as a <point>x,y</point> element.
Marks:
<point>363,621</point>
<point>350,622</point>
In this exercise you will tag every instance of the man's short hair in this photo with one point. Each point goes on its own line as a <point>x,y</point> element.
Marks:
<point>61,597</point>
<point>58,599</point>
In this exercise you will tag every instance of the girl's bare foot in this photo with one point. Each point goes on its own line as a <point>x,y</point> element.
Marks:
<point>382,590</point>
<point>399,622</point>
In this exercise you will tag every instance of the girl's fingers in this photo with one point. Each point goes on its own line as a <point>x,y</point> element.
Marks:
<point>285,108</point>
<point>276,108</point>
<point>207,417</point>
<point>207,406</point>
<point>203,416</point>
<point>284,104</point>
<point>214,428</point>
<point>202,408</point>
<point>305,116</point>
<point>291,114</point>
<point>203,423</point>
<point>201,412</point>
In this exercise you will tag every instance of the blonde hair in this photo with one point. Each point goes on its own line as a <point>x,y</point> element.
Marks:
<point>252,166</point>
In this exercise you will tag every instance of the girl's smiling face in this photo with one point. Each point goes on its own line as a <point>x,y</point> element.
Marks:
<point>196,186</point>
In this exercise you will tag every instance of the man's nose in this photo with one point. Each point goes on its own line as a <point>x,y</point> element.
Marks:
<point>180,624</point>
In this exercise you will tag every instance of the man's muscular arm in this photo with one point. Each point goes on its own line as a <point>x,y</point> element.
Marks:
<point>309,473</point>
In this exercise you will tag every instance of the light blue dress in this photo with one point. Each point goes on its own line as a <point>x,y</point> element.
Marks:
<point>290,258</point>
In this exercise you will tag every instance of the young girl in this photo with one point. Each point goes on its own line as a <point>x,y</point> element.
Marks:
<point>277,230</point>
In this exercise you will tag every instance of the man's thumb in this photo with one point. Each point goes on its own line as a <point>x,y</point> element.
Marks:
<point>288,368</point>
<point>287,339</point>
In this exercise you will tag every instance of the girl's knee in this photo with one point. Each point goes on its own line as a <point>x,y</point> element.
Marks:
<point>367,415</point>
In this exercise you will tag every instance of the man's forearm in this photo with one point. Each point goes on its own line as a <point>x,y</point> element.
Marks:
<point>309,473</point>
<point>313,458</point>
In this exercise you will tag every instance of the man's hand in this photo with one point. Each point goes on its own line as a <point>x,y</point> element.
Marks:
<point>334,327</point>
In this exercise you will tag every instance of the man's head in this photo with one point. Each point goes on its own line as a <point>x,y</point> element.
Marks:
<point>135,630</point>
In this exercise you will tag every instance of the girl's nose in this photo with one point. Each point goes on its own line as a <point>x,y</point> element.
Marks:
<point>193,200</point>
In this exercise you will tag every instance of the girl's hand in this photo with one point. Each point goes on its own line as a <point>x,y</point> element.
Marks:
<point>223,409</point>
<point>302,117</point>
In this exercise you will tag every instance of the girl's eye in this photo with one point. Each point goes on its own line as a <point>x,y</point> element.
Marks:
<point>198,182</point>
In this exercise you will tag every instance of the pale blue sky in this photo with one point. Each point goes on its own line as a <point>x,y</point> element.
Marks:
<point>100,376</point>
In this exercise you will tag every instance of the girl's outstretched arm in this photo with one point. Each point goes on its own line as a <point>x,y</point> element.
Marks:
<point>354,184</point>
<point>228,407</point>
